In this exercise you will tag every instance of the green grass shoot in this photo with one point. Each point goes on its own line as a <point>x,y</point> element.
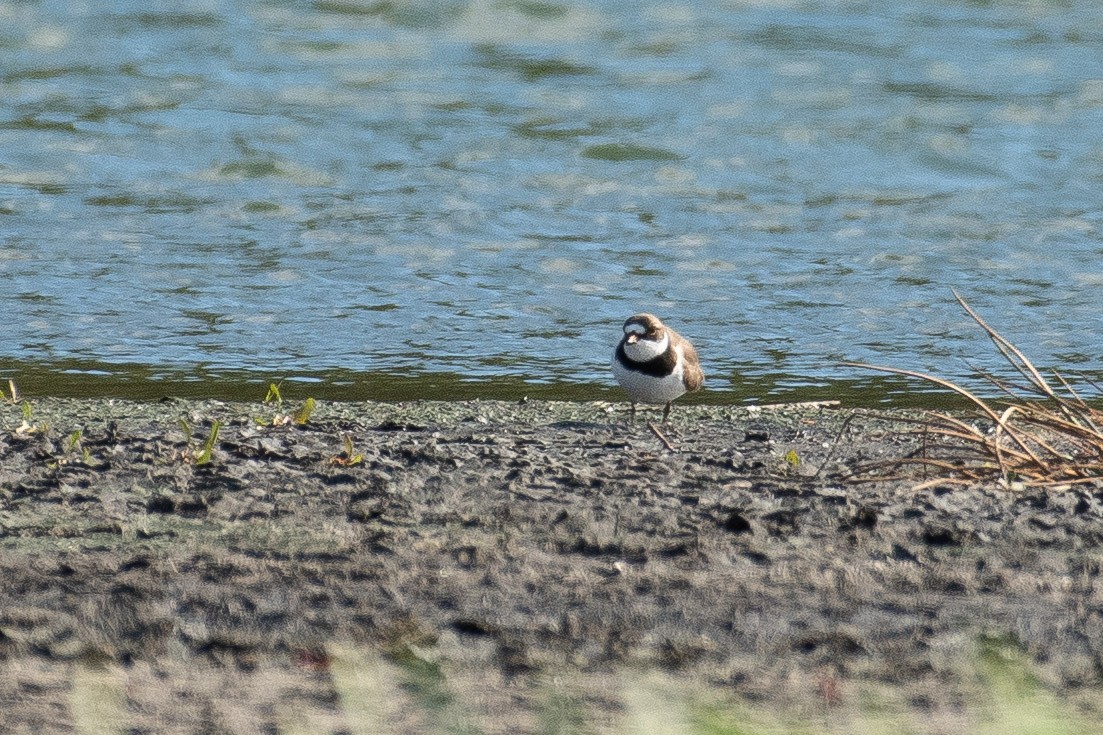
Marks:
<point>27,427</point>
<point>354,456</point>
<point>274,394</point>
<point>186,428</point>
<point>208,448</point>
<point>351,456</point>
<point>204,455</point>
<point>304,413</point>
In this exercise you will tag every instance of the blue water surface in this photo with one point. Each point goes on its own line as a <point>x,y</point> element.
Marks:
<point>432,195</point>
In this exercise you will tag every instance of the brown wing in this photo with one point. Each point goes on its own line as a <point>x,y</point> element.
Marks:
<point>691,372</point>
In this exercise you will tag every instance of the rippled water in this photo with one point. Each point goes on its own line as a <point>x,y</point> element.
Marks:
<point>446,197</point>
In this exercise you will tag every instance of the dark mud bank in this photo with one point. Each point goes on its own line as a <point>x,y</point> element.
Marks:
<point>513,542</point>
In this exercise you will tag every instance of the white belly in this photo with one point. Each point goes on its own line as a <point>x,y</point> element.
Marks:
<point>647,388</point>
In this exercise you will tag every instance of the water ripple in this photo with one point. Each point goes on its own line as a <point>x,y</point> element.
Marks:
<point>372,193</point>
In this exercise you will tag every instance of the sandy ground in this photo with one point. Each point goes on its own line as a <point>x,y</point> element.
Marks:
<point>495,566</point>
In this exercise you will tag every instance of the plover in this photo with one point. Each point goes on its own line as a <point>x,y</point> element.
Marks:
<point>655,364</point>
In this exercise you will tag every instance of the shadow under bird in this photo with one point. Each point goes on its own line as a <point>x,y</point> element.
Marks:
<point>655,364</point>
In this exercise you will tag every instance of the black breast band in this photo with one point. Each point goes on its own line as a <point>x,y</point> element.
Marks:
<point>656,367</point>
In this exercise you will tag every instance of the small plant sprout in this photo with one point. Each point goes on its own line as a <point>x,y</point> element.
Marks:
<point>349,456</point>
<point>282,419</point>
<point>73,448</point>
<point>208,447</point>
<point>792,459</point>
<point>304,413</point>
<point>190,453</point>
<point>76,446</point>
<point>274,394</point>
<point>186,428</point>
<point>27,427</point>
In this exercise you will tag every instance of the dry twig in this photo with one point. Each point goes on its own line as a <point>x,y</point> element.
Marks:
<point>661,437</point>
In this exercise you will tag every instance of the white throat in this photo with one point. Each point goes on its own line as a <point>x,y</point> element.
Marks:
<point>643,350</point>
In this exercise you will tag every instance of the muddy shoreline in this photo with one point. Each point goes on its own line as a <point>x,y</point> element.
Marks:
<point>514,549</point>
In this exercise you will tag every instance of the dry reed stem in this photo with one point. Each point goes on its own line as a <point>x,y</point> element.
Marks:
<point>1044,438</point>
<point>1007,349</point>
